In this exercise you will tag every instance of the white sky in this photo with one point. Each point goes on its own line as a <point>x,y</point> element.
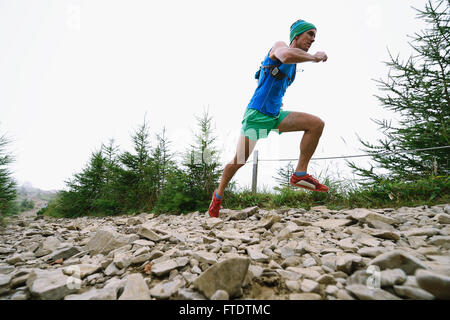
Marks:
<point>74,74</point>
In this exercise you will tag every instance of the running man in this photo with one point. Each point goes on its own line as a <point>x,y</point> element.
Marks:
<point>263,114</point>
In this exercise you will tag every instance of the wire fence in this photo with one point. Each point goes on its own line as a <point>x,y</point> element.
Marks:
<point>358,155</point>
<point>256,160</point>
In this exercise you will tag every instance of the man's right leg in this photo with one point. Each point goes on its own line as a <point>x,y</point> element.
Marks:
<point>244,148</point>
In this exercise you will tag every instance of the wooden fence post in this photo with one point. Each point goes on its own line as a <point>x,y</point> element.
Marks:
<point>255,171</point>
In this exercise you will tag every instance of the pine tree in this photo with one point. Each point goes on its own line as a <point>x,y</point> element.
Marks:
<point>137,177</point>
<point>202,161</point>
<point>284,175</point>
<point>8,186</point>
<point>162,160</point>
<point>418,91</point>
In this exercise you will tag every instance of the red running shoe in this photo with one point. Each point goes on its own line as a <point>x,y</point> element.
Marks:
<point>308,182</point>
<point>215,206</point>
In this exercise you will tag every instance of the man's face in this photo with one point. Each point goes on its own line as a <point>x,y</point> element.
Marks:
<point>305,40</point>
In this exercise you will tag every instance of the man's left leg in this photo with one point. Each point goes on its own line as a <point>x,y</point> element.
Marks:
<point>313,128</point>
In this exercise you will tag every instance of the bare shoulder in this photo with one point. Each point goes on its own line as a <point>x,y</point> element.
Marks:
<point>277,45</point>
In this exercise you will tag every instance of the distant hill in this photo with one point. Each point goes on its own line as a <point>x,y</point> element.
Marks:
<point>26,191</point>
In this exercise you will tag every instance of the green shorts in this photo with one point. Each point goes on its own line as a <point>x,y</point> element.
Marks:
<point>257,125</point>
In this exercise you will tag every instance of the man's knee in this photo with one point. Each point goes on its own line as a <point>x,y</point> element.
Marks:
<point>319,124</point>
<point>238,161</point>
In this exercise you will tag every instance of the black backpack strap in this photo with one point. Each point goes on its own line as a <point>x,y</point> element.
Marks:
<point>273,70</point>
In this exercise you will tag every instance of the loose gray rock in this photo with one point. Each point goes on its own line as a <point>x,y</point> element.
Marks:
<point>226,275</point>
<point>220,295</point>
<point>398,259</point>
<point>391,277</point>
<point>412,293</point>
<point>332,224</point>
<point>434,283</point>
<point>166,289</point>
<point>304,296</point>
<point>189,294</point>
<point>5,279</point>
<point>135,288</point>
<point>94,294</point>
<point>257,255</point>
<point>50,285</point>
<point>443,218</point>
<point>366,293</point>
<point>106,240</point>
<point>164,267</point>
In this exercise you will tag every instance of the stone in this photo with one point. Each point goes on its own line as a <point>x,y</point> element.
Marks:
<point>140,258</point>
<point>326,279</point>
<point>371,252</point>
<point>388,235</point>
<point>309,262</point>
<point>329,260</point>
<point>421,232</point>
<point>331,290</point>
<point>443,241</point>
<point>250,211</point>
<point>205,256</point>
<point>106,240</point>
<point>285,252</point>
<point>255,270</point>
<point>348,244</point>
<point>111,270</point>
<point>309,285</point>
<point>398,259</point>
<point>392,277</point>
<point>189,294</point>
<point>293,285</point>
<point>412,293</point>
<point>256,255</point>
<point>267,221</point>
<point>50,284</point>
<point>211,223</point>
<point>5,269</point>
<point>343,294</point>
<point>381,225</point>
<point>81,270</point>
<point>146,230</point>
<point>304,296</point>
<point>4,283</point>
<point>369,216</point>
<point>164,267</point>
<point>365,293</point>
<point>443,218</point>
<point>122,259</point>
<point>226,275</point>
<point>238,215</point>
<point>94,294</point>
<point>436,284</point>
<point>17,258</point>
<point>332,224</point>
<point>47,246</point>
<point>301,222</point>
<point>220,295</point>
<point>166,289</point>
<point>366,239</point>
<point>347,262</point>
<point>305,272</point>
<point>135,288</point>
<point>20,295</point>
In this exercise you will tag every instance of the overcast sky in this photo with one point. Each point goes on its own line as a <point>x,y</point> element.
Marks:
<point>74,74</point>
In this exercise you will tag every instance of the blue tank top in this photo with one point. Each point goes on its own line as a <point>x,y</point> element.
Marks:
<point>270,91</point>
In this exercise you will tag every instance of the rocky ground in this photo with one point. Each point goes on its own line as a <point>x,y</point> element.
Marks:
<point>247,254</point>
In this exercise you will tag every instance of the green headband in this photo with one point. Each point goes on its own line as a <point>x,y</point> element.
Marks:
<point>300,27</point>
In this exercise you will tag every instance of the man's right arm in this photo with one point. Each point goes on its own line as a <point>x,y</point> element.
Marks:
<point>289,55</point>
